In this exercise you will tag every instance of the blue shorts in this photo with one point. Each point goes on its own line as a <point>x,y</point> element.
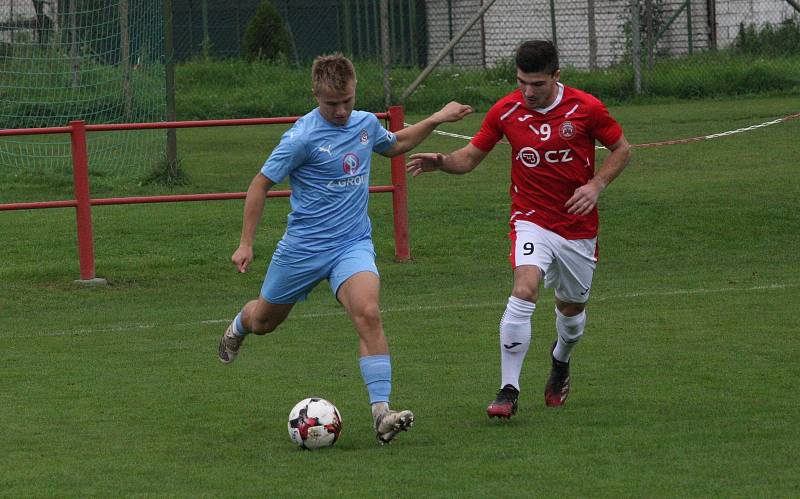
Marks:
<point>293,272</point>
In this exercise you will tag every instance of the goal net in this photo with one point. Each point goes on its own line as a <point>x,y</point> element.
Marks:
<point>95,60</point>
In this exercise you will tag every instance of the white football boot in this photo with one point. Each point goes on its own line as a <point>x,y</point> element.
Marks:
<point>390,423</point>
<point>229,345</point>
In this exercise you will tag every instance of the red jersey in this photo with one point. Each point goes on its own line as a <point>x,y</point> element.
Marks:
<point>552,154</point>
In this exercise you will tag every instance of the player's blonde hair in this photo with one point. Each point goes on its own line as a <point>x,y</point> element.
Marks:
<point>332,72</point>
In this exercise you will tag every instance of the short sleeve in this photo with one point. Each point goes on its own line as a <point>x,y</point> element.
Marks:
<point>491,130</point>
<point>287,155</point>
<point>384,139</point>
<point>605,128</point>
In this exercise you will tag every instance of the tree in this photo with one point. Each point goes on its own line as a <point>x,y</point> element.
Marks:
<point>266,37</point>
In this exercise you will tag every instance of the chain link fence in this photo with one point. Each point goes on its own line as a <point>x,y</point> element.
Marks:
<point>589,33</point>
<point>214,28</point>
<point>633,35</point>
<point>636,36</point>
<point>95,60</point>
<point>599,33</point>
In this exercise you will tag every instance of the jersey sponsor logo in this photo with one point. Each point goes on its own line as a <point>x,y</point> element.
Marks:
<point>363,137</point>
<point>531,158</point>
<point>326,149</point>
<point>350,163</point>
<point>567,130</point>
<point>525,118</point>
<point>349,181</point>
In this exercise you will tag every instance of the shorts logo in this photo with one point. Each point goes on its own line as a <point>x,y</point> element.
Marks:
<point>529,157</point>
<point>350,163</point>
<point>567,130</point>
<point>363,136</point>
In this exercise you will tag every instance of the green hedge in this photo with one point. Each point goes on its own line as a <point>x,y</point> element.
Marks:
<point>227,89</point>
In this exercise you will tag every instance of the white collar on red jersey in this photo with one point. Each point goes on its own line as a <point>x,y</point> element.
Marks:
<point>557,101</point>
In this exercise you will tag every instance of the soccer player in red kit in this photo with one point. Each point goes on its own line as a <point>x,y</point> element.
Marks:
<point>552,129</point>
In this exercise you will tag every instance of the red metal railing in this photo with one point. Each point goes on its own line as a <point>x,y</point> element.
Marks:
<point>83,200</point>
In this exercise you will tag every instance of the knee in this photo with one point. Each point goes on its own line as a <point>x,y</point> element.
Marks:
<point>526,291</point>
<point>570,309</point>
<point>368,314</point>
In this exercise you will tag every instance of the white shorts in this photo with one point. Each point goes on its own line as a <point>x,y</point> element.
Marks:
<point>567,264</point>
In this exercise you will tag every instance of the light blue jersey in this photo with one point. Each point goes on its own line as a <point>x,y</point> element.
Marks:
<point>328,168</point>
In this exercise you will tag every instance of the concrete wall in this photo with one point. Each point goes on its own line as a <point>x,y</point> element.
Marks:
<point>22,10</point>
<point>509,22</point>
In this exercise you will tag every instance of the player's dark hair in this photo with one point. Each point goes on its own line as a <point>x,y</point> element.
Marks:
<point>334,72</point>
<point>537,56</point>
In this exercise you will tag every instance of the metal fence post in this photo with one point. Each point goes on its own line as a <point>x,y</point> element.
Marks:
<point>83,208</point>
<point>636,47</point>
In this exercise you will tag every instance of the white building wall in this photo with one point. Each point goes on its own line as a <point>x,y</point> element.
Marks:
<point>468,51</point>
<point>508,22</point>
<point>759,12</point>
<point>18,10</point>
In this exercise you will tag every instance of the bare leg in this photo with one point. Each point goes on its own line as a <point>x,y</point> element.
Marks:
<point>262,317</point>
<point>360,296</point>
<point>257,316</point>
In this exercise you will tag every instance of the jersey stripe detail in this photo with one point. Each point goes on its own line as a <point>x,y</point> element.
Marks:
<point>514,108</point>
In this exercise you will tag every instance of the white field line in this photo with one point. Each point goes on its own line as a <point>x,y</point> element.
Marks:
<point>391,310</point>
<point>661,143</point>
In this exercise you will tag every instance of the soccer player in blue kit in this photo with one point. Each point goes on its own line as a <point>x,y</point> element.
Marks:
<point>326,155</point>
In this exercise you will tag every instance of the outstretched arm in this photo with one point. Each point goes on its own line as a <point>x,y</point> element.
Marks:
<point>409,138</point>
<point>585,197</point>
<point>253,207</point>
<point>460,161</point>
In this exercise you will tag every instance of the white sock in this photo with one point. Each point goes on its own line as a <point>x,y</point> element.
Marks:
<point>570,331</point>
<point>378,408</point>
<point>515,338</point>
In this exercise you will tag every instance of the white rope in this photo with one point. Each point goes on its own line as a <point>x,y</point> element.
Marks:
<point>665,142</point>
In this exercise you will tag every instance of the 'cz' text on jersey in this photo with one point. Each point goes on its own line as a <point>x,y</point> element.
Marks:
<point>530,157</point>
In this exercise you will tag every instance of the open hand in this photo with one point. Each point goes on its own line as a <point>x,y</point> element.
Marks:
<point>584,199</point>
<point>424,162</point>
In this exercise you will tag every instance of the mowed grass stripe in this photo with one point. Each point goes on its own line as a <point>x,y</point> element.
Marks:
<point>392,310</point>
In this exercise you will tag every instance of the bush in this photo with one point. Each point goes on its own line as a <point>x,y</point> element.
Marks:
<point>266,37</point>
<point>238,89</point>
<point>781,40</point>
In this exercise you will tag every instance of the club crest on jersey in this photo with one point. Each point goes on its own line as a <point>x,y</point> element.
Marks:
<point>567,130</point>
<point>350,163</point>
<point>363,136</point>
<point>529,157</point>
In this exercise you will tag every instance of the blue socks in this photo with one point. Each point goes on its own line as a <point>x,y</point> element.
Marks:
<point>238,327</point>
<point>377,373</point>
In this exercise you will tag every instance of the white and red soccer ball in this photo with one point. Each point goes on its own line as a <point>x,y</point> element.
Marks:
<point>314,423</point>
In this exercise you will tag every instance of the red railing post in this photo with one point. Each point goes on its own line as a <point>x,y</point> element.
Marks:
<point>83,202</point>
<point>402,248</point>
<point>83,209</point>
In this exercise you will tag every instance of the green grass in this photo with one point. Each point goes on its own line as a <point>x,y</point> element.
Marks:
<point>682,386</point>
<point>235,89</point>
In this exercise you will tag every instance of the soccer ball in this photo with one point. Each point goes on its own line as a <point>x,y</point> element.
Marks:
<point>314,423</point>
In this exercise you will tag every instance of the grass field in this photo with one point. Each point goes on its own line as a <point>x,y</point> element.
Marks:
<point>683,384</point>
